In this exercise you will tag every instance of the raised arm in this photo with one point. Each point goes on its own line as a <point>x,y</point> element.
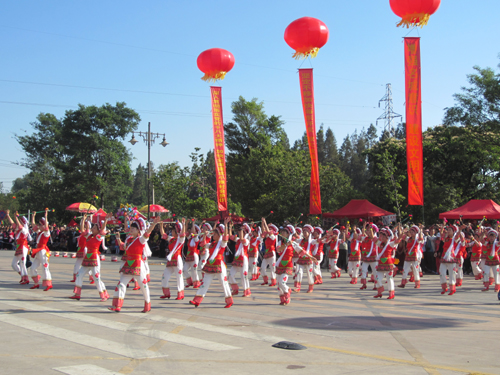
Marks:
<point>8,217</point>
<point>148,232</point>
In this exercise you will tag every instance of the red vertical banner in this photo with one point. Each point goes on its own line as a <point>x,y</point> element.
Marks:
<point>414,154</point>
<point>219,148</point>
<point>307,93</point>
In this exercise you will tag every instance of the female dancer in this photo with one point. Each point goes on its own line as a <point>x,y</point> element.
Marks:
<point>193,257</point>
<point>254,251</point>
<point>414,242</point>
<point>318,254</point>
<point>174,259</point>
<point>269,232</point>
<point>91,262</point>
<point>240,262</point>
<point>22,236</point>
<point>41,253</point>
<point>368,256</point>
<point>491,250</point>
<point>475,256</point>
<point>386,248</point>
<point>82,249</point>
<point>134,266</point>
<point>305,262</point>
<point>215,265</point>
<point>334,240</point>
<point>354,255</point>
<point>285,263</point>
<point>451,237</point>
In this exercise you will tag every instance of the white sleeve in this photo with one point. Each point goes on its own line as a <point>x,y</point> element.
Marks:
<point>143,239</point>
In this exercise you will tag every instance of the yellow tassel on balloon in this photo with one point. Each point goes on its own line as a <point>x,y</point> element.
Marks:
<point>313,52</point>
<point>416,19</point>
<point>213,77</point>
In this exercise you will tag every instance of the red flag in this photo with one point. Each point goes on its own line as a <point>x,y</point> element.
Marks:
<point>414,154</point>
<point>219,150</point>
<point>307,92</point>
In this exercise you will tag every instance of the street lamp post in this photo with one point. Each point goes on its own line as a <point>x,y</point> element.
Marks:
<point>149,138</point>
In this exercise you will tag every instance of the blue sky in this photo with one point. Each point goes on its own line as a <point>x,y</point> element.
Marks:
<point>57,54</point>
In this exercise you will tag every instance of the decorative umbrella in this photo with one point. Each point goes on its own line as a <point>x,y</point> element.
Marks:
<point>81,207</point>
<point>153,208</point>
<point>72,223</point>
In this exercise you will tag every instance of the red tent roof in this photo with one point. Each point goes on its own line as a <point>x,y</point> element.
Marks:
<point>72,223</point>
<point>474,209</point>
<point>358,208</point>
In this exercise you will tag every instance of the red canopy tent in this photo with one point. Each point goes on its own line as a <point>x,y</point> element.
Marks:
<point>72,223</point>
<point>101,214</point>
<point>358,208</point>
<point>474,209</point>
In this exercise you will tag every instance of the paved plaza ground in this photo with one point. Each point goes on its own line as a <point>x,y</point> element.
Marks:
<point>345,330</point>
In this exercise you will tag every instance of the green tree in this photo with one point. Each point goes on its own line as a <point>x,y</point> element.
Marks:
<point>320,143</point>
<point>139,189</point>
<point>331,151</point>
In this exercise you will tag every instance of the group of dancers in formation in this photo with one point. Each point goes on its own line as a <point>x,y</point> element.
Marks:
<point>290,252</point>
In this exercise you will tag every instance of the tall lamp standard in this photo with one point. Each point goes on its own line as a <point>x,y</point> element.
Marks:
<point>149,138</point>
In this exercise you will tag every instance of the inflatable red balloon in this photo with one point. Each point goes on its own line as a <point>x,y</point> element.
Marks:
<point>306,36</point>
<point>215,63</point>
<point>414,13</point>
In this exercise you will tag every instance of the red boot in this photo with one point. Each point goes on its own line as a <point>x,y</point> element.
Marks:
<point>320,280</point>
<point>189,281</point>
<point>334,275</point>
<point>372,279</point>
<point>147,307</point>
<point>266,279</point>
<point>459,282</point>
<point>25,280</point>
<point>297,288</point>
<point>36,280</point>
<point>180,295</point>
<point>234,289</point>
<point>391,294</point>
<point>403,283</point>
<point>354,280</point>
<point>497,287</point>
<point>116,305</point>
<point>282,299</point>
<point>273,282</point>
<point>363,284</point>
<point>196,284</point>
<point>103,296</point>
<point>417,284</point>
<point>379,292</point>
<point>311,288</point>
<point>91,279</point>
<point>444,286</point>
<point>78,293</point>
<point>339,273</point>
<point>166,293</point>
<point>136,285</point>
<point>196,301</point>
<point>486,287</point>
<point>288,297</point>
<point>492,281</point>
<point>74,278</point>
<point>47,284</point>
<point>453,289</point>
<point>229,302</point>
<point>247,293</point>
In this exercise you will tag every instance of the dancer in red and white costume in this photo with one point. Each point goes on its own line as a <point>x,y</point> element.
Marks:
<point>298,237</point>
<point>91,261</point>
<point>254,252</point>
<point>193,257</point>
<point>305,262</point>
<point>368,255</point>
<point>451,237</point>
<point>354,255</point>
<point>491,248</point>
<point>284,267</point>
<point>134,266</point>
<point>461,252</point>
<point>22,236</point>
<point>335,238</point>
<point>215,265</point>
<point>174,259</point>
<point>41,254</point>
<point>318,254</point>
<point>240,262</point>
<point>386,249</point>
<point>82,249</point>
<point>269,233</point>
<point>475,255</point>
<point>204,253</point>
<point>414,243</point>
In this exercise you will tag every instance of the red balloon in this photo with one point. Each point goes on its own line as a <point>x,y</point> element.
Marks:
<point>306,36</point>
<point>414,13</point>
<point>215,63</point>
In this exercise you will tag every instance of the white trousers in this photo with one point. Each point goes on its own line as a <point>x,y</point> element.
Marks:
<point>282,287</point>
<point>353,268</point>
<point>124,279</point>
<point>41,259</point>
<point>96,272</point>
<point>308,269</point>
<point>380,277</point>
<point>364,269</point>
<point>271,262</point>
<point>491,271</point>
<point>475,268</point>
<point>252,264</point>
<point>193,267</point>
<point>19,262</point>
<point>317,267</point>
<point>460,269</point>
<point>207,280</point>
<point>332,265</point>
<point>451,268</point>
<point>203,260</point>
<point>245,284</point>
<point>414,266</point>
<point>177,271</point>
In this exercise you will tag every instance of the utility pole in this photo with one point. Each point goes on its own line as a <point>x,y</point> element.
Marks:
<point>389,114</point>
